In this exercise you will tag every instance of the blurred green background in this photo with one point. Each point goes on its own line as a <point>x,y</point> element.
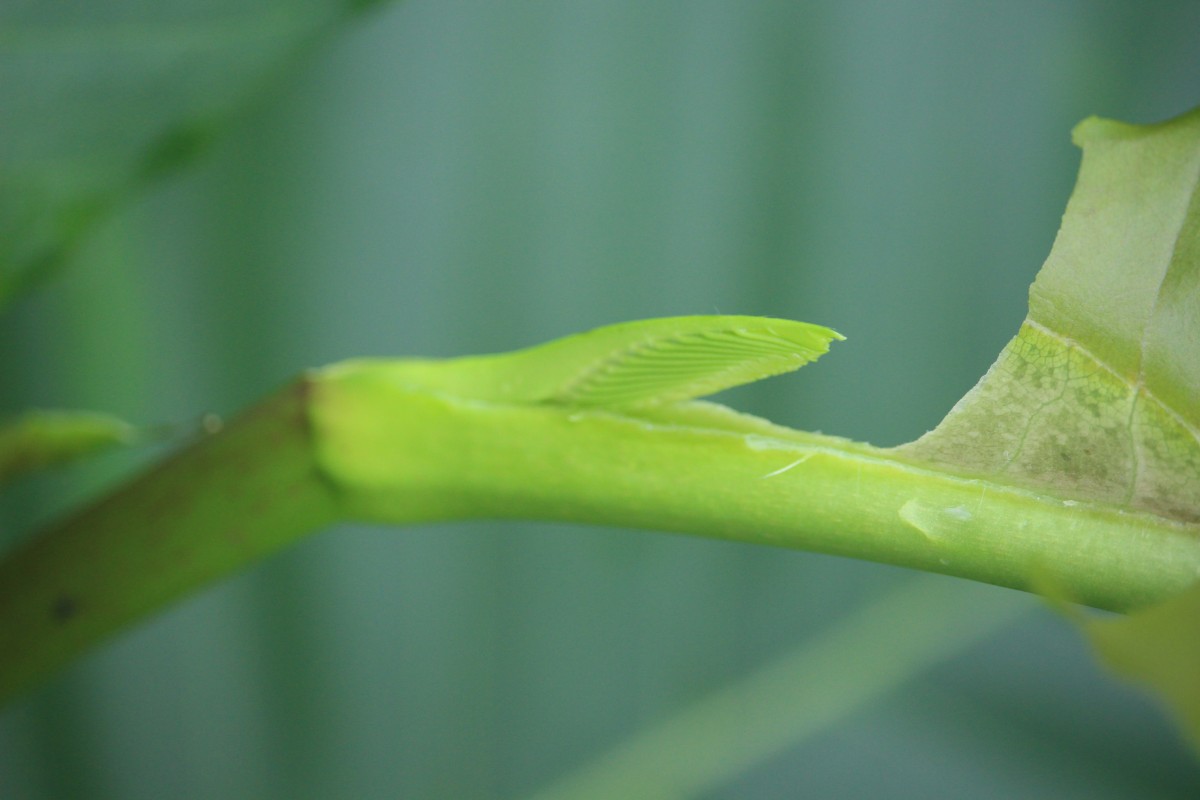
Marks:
<point>237,191</point>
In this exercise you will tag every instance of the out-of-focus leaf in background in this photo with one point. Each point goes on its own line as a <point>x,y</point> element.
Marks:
<point>39,439</point>
<point>1158,647</point>
<point>101,99</point>
<point>449,178</point>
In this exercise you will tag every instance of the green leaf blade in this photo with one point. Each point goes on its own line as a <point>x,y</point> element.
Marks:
<point>1098,397</point>
<point>642,364</point>
<point>1123,278</point>
<point>1159,648</point>
<point>41,439</point>
<point>693,357</point>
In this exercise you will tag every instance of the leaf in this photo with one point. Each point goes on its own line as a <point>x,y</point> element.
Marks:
<point>664,361</point>
<point>642,364</point>
<point>40,439</point>
<point>100,99</point>
<point>1158,647</point>
<point>1098,396</point>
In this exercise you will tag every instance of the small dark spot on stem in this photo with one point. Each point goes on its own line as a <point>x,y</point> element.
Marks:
<point>65,608</point>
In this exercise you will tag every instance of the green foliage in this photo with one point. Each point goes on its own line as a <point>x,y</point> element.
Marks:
<point>1158,647</point>
<point>596,428</point>
<point>178,81</point>
<point>149,92</point>
<point>404,441</point>
<point>40,439</point>
<point>640,364</point>
<point>1093,402</point>
<point>1098,397</point>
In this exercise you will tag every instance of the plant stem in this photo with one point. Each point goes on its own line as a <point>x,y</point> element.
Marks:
<point>357,441</point>
<point>214,508</point>
<point>402,455</point>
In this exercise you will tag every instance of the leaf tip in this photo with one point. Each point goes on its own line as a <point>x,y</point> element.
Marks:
<point>673,359</point>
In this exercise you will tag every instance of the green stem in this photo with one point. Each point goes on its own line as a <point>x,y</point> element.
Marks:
<point>357,442</point>
<point>703,469</point>
<point>212,509</point>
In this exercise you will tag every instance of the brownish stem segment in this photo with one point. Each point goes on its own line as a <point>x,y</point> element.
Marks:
<point>214,508</point>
